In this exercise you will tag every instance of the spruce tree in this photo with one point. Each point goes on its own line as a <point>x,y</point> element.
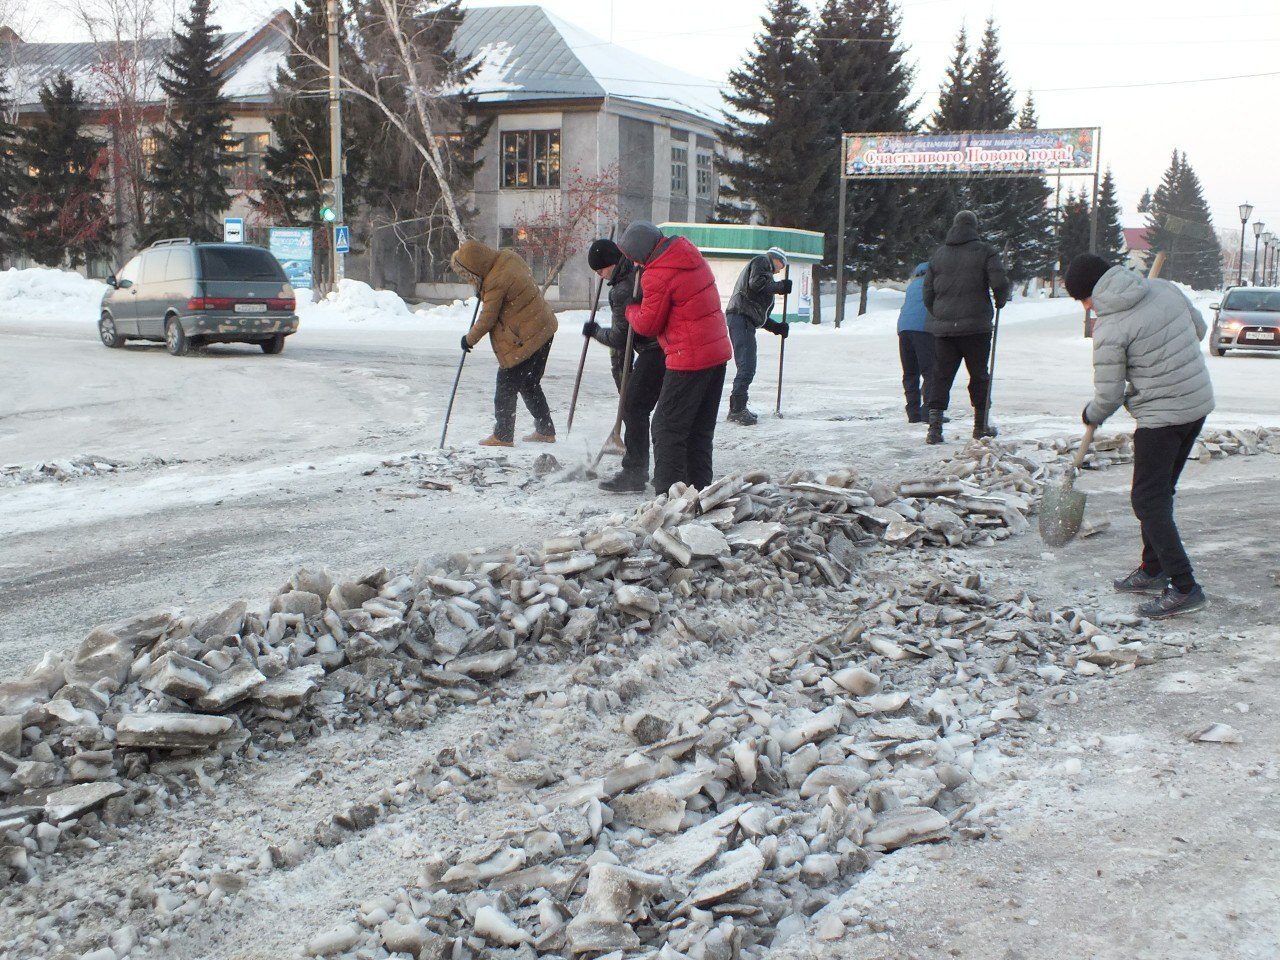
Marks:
<point>867,82</point>
<point>1073,238</point>
<point>189,177</point>
<point>1145,203</point>
<point>298,158</point>
<point>1111,245</point>
<point>1020,217</point>
<point>990,96</point>
<point>1180,226</point>
<point>10,172</point>
<point>954,111</point>
<point>777,116</point>
<point>61,216</point>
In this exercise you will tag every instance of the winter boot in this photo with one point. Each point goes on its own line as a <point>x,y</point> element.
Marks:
<point>1173,602</point>
<point>982,428</point>
<point>538,437</point>
<point>914,415</point>
<point>935,427</point>
<point>1141,582</point>
<point>495,441</point>
<point>625,482</point>
<point>739,414</point>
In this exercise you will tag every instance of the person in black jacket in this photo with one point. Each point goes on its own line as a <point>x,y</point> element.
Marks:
<point>964,274</point>
<point>748,311</point>
<point>644,383</point>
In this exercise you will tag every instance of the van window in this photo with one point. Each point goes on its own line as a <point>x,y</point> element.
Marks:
<point>239,263</point>
<point>130,270</point>
<point>153,264</point>
<point>180,266</point>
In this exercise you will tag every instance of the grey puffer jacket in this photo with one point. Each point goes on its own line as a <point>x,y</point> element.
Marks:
<point>1146,353</point>
<point>963,275</point>
<point>754,292</point>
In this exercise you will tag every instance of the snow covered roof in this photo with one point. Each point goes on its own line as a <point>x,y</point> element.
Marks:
<point>249,61</point>
<point>527,54</point>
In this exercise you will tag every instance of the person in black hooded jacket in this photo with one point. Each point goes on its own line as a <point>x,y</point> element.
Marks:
<point>963,277</point>
<point>644,383</point>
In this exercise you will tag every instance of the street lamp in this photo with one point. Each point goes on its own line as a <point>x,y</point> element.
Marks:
<point>1266,255</point>
<point>1269,259</point>
<point>1258,227</point>
<point>1246,210</point>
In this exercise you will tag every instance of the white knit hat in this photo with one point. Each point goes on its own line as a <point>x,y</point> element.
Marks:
<point>777,253</point>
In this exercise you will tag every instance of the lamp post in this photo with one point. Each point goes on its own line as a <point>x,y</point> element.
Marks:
<point>1269,259</point>
<point>1246,210</point>
<point>1258,227</point>
<point>1267,237</point>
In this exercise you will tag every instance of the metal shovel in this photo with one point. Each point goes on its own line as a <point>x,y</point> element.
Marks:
<point>1061,504</point>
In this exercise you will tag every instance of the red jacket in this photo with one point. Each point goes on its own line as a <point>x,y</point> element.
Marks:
<point>681,307</point>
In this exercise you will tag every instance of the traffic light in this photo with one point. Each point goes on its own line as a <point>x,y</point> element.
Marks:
<point>328,201</point>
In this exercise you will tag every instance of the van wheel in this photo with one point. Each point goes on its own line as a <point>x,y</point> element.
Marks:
<point>107,331</point>
<point>273,345</point>
<point>175,338</point>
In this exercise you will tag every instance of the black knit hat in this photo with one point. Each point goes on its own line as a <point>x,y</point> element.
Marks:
<point>603,253</point>
<point>1083,275</point>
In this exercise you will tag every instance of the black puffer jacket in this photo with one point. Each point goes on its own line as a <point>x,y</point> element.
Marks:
<point>964,274</point>
<point>754,292</point>
<point>621,283</point>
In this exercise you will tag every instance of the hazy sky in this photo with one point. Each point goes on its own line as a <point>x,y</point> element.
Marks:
<point>1089,63</point>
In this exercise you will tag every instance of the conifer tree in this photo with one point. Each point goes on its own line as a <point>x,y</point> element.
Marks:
<point>1180,226</point>
<point>1020,217</point>
<point>866,81</point>
<point>189,177</point>
<point>1144,204</point>
<point>61,216</point>
<point>990,96</point>
<point>1073,238</point>
<point>954,112</point>
<point>10,172</point>
<point>1111,245</point>
<point>298,159</point>
<point>777,116</point>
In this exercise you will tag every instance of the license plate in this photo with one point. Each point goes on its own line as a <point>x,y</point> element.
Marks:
<point>1262,336</point>
<point>251,308</point>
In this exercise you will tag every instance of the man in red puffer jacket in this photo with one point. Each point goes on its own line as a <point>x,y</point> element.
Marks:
<point>677,302</point>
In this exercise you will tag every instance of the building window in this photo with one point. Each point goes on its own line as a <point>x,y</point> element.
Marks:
<point>680,171</point>
<point>706,174</point>
<point>509,238</point>
<point>531,159</point>
<point>246,153</point>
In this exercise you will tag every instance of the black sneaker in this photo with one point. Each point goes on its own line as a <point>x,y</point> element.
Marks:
<point>1173,602</point>
<point>743,417</point>
<point>1140,582</point>
<point>624,483</point>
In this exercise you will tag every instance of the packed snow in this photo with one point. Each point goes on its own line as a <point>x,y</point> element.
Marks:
<point>40,294</point>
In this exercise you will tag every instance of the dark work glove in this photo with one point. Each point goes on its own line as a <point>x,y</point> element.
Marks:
<point>590,328</point>
<point>1001,302</point>
<point>778,328</point>
<point>466,347</point>
<point>782,286</point>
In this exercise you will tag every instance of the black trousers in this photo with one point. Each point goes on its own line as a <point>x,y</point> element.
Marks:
<point>1159,454</point>
<point>915,349</point>
<point>524,380</point>
<point>644,387</point>
<point>974,350</point>
<point>684,427</point>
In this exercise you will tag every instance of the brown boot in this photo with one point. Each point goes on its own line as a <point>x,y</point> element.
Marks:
<point>537,437</point>
<point>493,441</point>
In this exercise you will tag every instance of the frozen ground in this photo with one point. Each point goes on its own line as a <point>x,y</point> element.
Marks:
<point>238,468</point>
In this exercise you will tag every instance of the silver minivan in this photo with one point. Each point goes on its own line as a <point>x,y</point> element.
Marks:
<point>187,294</point>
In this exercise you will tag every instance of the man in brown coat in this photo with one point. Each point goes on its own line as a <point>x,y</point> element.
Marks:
<point>520,326</point>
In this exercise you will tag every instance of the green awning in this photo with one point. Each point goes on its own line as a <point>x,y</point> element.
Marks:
<point>737,241</point>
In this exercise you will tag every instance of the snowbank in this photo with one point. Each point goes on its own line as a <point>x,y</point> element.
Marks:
<point>38,293</point>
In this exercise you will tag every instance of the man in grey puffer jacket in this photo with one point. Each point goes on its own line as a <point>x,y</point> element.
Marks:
<point>1147,357</point>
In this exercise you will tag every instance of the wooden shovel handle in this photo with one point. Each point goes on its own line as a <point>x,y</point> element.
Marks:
<point>1085,444</point>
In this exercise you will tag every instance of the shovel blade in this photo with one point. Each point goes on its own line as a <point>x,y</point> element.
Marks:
<point>1061,513</point>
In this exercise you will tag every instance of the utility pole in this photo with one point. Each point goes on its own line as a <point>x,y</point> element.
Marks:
<point>335,141</point>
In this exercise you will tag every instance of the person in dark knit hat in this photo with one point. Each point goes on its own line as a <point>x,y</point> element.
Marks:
<point>1147,357</point>
<point>647,370</point>
<point>963,276</point>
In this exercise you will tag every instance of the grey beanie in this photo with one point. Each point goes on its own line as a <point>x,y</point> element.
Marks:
<point>639,241</point>
<point>966,217</point>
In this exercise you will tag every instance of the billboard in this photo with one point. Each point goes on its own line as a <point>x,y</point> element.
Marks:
<point>292,246</point>
<point>874,156</point>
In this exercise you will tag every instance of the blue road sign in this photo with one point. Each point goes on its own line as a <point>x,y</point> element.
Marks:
<point>342,239</point>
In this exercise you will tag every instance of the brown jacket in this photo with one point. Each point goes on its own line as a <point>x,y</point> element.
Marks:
<point>514,314</point>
